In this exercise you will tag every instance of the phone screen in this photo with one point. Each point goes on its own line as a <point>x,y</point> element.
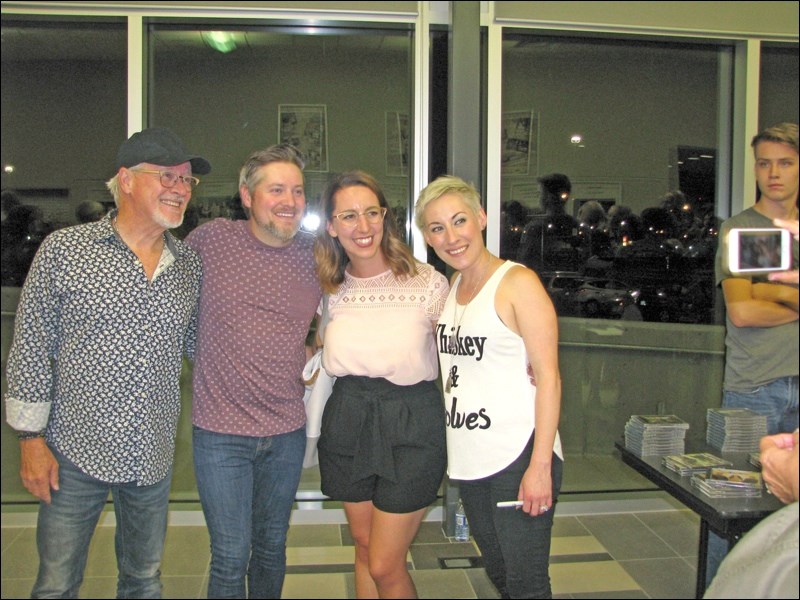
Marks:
<point>759,250</point>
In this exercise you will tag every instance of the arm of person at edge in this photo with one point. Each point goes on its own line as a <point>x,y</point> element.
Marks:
<point>780,466</point>
<point>524,306</point>
<point>38,315</point>
<point>38,468</point>
<point>787,276</point>
<point>759,304</point>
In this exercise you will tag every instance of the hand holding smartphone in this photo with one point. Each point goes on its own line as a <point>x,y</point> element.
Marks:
<point>753,251</point>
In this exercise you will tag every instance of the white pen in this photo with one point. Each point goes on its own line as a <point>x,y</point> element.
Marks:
<point>510,504</point>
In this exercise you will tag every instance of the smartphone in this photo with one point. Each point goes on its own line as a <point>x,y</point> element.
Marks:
<point>758,250</point>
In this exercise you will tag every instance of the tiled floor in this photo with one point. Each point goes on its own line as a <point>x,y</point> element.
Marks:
<point>608,549</point>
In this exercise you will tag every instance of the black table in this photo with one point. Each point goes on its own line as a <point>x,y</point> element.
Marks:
<point>730,518</point>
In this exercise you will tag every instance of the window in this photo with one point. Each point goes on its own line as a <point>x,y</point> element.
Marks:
<point>343,96</point>
<point>63,116</point>
<point>778,92</point>
<point>609,167</point>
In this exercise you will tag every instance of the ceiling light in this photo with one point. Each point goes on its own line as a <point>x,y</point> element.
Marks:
<point>221,41</point>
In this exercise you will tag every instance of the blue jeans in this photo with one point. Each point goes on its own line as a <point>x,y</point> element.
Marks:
<point>247,487</point>
<point>66,525</point>
<point>515,546</point>
<point>777,400</point>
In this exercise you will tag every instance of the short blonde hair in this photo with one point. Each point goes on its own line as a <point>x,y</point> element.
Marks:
<point>446,184</point>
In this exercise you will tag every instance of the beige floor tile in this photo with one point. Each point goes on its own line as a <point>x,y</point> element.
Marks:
<point>186,551</point>
<point>583,544</point>
<point>16,588</point>
<point>452,583</point>
<point>99,587</point>
<point>316,585</point>
<point>10,535</point>
<point>578,578</point>
<point>20,559</point>
<point>320,555</point>
<point>186,557</point>
<point>183,587</point>
<point>314,535</point>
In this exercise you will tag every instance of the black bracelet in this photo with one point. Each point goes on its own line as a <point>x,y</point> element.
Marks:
<point>30,435</point>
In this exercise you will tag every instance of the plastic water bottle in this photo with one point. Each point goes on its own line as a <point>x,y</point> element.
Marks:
<point>462,526</point>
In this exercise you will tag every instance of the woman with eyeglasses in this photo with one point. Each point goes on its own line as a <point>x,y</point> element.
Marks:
<point>382,445</point>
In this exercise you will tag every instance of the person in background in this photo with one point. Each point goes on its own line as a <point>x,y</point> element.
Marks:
<point>382,444</point>
<point>259,296</point>
<point>761,337</point>
<point>549,241</point>
<point>190,221</point>
<point>105,315</point>
<point>512,221</point>
<point>90,211</point>
<point>236,211</point>
<point>658,239</point>
<point>497,328</point>
<point>23,231</point>
<point>764,563</point>
<point>8,200</point>
<point>624,226</point>
<point>761,363</point>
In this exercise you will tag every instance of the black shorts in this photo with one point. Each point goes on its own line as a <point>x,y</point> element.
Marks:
<point>383,442</point>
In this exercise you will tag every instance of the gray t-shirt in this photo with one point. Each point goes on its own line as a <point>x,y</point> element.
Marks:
<point>756,355</point>
<point>764,562</point>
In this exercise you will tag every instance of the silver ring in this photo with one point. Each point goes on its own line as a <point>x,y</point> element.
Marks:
<point>544,508</point>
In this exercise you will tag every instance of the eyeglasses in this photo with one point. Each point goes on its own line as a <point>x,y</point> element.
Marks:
<point>170,179</point>
<point>349,218</point>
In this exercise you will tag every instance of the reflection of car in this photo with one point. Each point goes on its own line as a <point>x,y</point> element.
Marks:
<point>676,303</point>
<point>578,295</point>
<point>602,297</point>
<point>561,286</point>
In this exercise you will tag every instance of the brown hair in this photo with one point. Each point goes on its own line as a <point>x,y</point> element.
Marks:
<point>782,133</point>
<point>328,250</point>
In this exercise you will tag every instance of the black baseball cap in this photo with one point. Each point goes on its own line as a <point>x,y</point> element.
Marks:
<point>159,146</point>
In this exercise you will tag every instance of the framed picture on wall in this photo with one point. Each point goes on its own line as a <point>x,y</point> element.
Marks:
<point>520,143</point>
<point>397,147</point>
<point>305,126</point>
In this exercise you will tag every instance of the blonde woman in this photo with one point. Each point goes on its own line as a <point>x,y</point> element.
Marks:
<point>498,328</point>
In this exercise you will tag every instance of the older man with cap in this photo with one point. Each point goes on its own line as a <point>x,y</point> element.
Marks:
<point>104,318</point>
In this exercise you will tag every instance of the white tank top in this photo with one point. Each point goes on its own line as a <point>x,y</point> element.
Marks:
<point>490,402</point>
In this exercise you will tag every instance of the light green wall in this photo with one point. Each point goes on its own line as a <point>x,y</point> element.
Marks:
<point>621,99</point>
<point>746,19</point>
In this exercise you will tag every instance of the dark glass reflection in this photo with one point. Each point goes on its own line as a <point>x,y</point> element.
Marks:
<point>609,174</point>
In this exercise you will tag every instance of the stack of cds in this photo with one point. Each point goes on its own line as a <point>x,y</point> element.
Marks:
<point>655,435</point>
<point>728,483</point>
<point>735,429</point>
<point>688,464</point>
